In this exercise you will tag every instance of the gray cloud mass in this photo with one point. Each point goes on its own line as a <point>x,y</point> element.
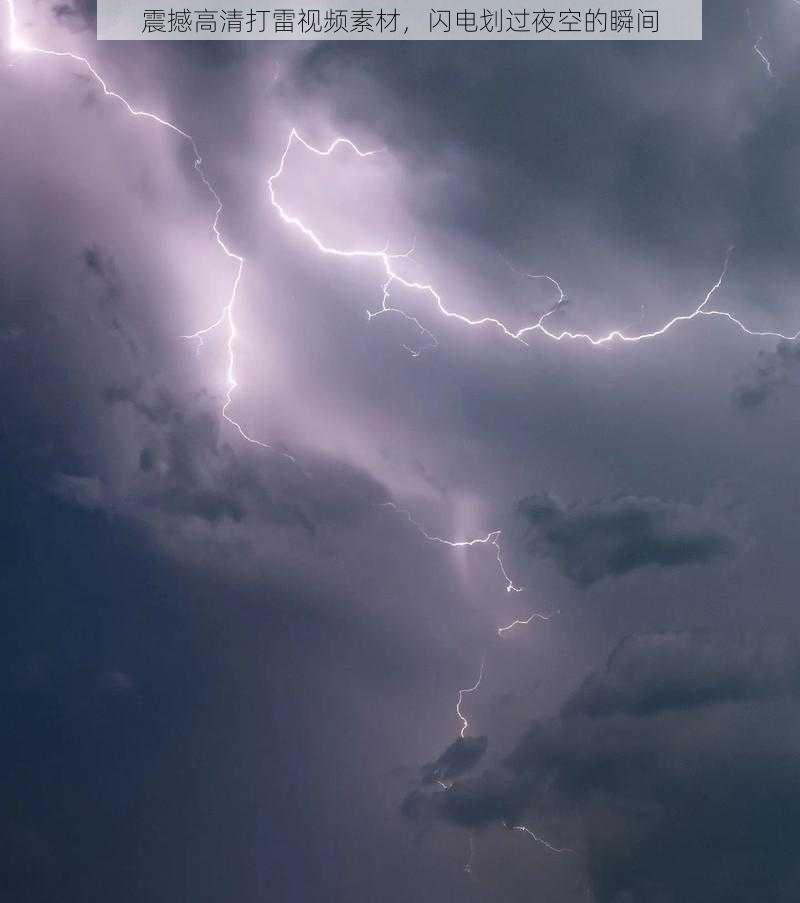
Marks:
<point>612,538</point>
<point>676,763</point>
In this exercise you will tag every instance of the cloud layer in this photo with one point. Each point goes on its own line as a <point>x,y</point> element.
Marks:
<point>676,764</point>
<point>612,538</point>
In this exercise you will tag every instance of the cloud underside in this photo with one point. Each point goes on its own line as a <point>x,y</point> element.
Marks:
<point>612,538</point>
<point>676,766</point>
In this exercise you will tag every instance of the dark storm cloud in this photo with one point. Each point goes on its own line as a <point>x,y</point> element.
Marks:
<point>459,758</point>
<point>85,492</point>
<point>611,538</point>
<point>189,469</point>
<point>471,803</point>
<point>774,371</point>
<point>678,764</point>
<point>656,672</point>
<point>200,476</point>
<point>608,128</point>
<point>101,267</point>
<point>133,703</point>
<point>76,15</point>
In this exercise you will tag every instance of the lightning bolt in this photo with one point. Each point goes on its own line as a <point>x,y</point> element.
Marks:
<point>534,616</point>
<point>490,539</point>
<point>387,263</point>
<point>562,295</point>
<point>461,694</point>
<point>387,308</point>
<point>757,46</point>
<point>541,840</point>
<point>18,45</point>
<point>383,257</point>
<point>763,57</point>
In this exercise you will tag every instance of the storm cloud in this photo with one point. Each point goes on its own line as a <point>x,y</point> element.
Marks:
<point>461,756</point>
<point>775,370</point>
<point>677,765</point>
<point>612,538</point>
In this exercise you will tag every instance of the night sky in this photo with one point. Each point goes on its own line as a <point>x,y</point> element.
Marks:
<point>230,672</point>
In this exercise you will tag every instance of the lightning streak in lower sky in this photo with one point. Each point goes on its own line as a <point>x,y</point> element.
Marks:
<point>461,694</point>
<point>491,539</point>
<point>468,865</point>
<point>541,840</point>
<point>534,615</point>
